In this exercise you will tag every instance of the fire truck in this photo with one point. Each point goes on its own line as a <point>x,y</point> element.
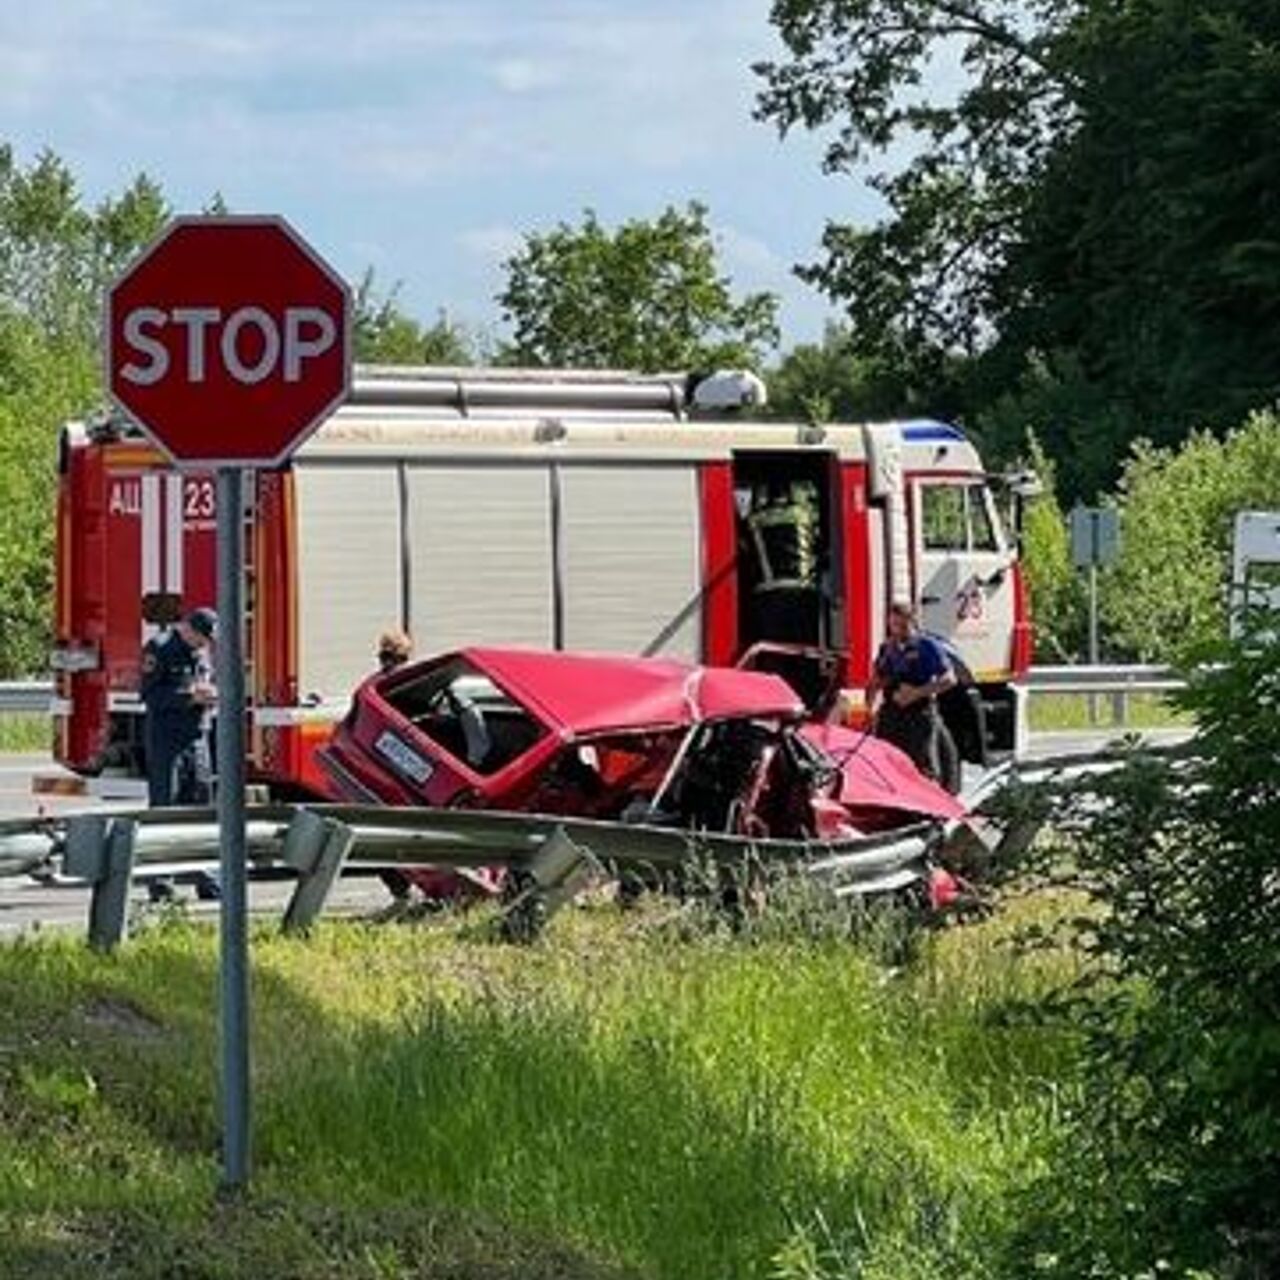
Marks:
<point>592,511</point>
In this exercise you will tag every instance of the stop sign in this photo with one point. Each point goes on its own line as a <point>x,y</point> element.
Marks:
<point>228,340</point>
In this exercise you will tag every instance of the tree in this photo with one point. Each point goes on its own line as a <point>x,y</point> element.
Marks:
<point>1091,213</point>
<point>384,334</point>
<point>1054,584</point>
<point>647,296</point>
<point>920,279</point>
<point>56,257</point>
<point>828,381</point>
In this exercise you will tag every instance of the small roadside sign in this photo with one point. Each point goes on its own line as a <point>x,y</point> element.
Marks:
<point>1095,536</point>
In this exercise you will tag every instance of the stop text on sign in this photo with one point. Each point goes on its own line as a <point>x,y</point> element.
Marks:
<point>250,343</point>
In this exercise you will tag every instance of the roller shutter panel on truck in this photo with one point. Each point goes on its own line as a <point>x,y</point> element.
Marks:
<point>348,571</point>
<point>479,542</point>
<point>631,559</point>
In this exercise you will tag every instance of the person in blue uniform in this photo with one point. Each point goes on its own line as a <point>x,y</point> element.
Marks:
<point>177,695</point>
<point>911,671</point>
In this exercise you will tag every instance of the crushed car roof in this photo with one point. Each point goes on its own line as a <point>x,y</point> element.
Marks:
<point>587,693</point>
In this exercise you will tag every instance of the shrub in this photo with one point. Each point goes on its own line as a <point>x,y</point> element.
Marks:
<point>1177,1119</point>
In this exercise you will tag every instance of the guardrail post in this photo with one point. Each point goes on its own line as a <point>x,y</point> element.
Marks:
<point>554,875</point>
<point>1120,707</point>
<point>100,850</point>
<point>316,848</point>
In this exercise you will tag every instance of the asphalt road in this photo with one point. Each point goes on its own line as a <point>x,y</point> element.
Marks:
<point>1070,742</point>
<point>26,905</point>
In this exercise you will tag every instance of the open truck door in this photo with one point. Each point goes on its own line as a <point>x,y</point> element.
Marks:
<point>968,597</point>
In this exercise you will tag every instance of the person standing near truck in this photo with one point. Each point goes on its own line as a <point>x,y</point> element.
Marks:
<point>177,694</point>
<point>395,648</point>
<point>911,671</point>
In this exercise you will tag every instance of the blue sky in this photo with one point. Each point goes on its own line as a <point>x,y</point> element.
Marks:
<point>423,138</point>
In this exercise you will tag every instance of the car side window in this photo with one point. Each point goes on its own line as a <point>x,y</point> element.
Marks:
<point>465,714</point>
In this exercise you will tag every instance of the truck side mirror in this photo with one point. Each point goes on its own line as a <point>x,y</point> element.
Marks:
<point>1021,486</point>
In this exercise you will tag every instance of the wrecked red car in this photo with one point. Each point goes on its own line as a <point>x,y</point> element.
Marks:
<point>645,740</point>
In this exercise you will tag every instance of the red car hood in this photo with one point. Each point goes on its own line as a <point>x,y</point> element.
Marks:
<point>876,775</point>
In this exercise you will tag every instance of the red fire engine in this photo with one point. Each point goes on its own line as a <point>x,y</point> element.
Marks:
<point>558,509</point>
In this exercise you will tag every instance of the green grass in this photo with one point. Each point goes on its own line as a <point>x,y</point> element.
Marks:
<point>1051,711</point>
<point>25,734</point>
<point>617,1100</point>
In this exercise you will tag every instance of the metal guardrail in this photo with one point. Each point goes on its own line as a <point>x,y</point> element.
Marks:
<point>1116,683</point>
<point>1133,678</point>
<point>26,697</point>
<point>551,857</point>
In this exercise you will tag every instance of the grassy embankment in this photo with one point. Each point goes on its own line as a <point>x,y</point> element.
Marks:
<point>1050,711</point>
<point>621,1099</point>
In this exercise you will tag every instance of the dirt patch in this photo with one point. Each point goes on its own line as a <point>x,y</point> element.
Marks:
<point>122,1019</point>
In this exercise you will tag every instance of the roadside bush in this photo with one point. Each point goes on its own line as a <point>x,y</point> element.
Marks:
<point>1166,595</point>
<point>1055,585</point>
<point>1171,1160</point>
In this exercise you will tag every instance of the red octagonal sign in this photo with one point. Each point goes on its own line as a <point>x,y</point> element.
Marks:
<point>229,340</point>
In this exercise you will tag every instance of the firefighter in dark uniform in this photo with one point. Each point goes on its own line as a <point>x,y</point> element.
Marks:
<point>911,671</point>
<point>780,540</point>
<point>177,696</point>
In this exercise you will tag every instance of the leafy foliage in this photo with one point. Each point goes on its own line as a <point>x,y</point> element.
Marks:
<point>385,334</point>
<point>56,257</point>
<point>1150,248</point>
<point>828,381</point>
<point>922,277</point>
<point>1079,195</point>
<point>1176,1113</point>
<point>644,296</point>
<point>1057,603</point>
<point>1081,427</point>
<point>1166,597</point>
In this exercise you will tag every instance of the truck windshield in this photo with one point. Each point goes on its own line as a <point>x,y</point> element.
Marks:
<point>958,516</point>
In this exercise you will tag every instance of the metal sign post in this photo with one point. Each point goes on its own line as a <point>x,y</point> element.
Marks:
<point>1095,540</point>
<point>228,341</point>
<point>233,950</point>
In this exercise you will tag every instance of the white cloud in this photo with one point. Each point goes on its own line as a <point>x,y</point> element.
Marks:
<point>432,128</point>
<point>657,86</point>
<point>492,245</point>
<point>743,253</point>
<point>524,75</point>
